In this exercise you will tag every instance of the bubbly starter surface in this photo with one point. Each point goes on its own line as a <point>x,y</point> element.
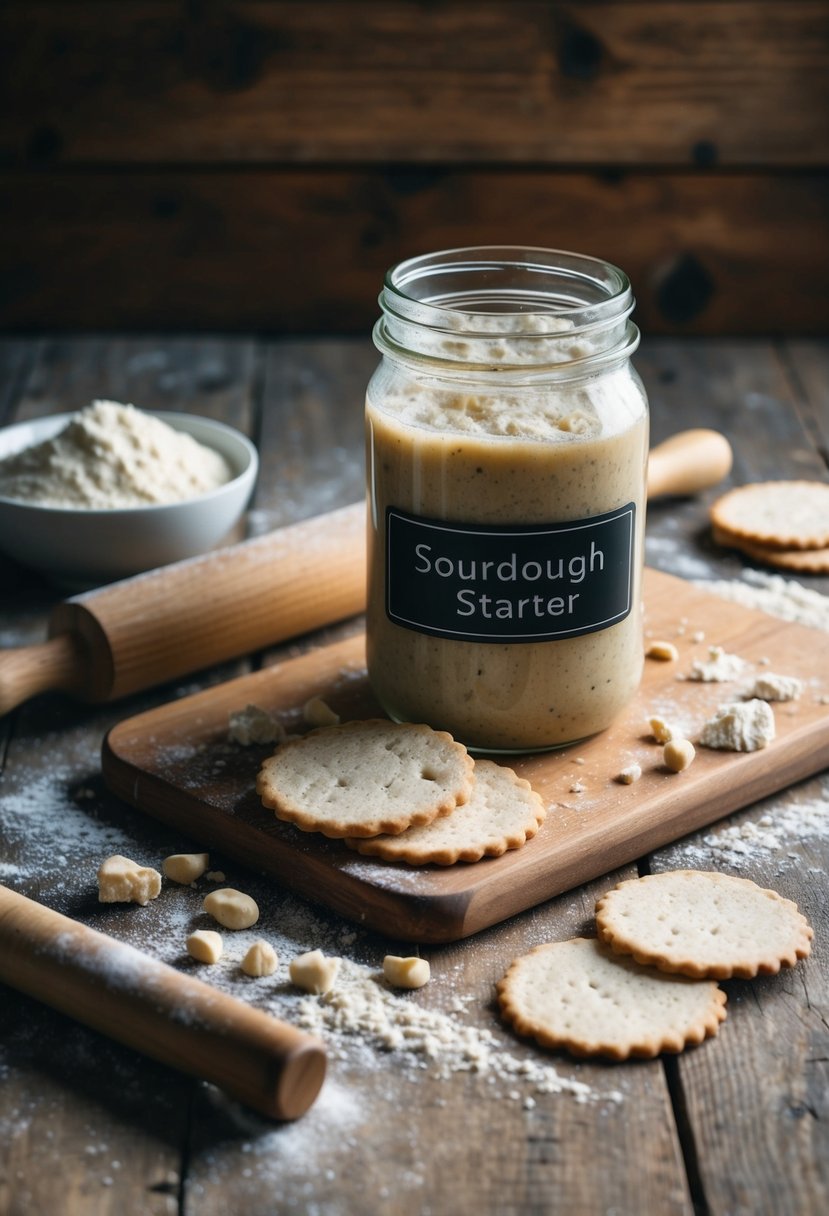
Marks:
<point>540,458</point>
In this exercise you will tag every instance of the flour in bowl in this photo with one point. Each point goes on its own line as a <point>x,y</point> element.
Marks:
<point>112,456</point>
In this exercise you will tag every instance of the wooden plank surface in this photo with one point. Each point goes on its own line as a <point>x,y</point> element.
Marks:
<point>754,1124</point>
<point>255,249</point>
<point>630,83</point>
<point>776,1077</point>
<point>737,1126</point>
<point>168,169</point>
<point>89,1128</point>
<point>163,762</point>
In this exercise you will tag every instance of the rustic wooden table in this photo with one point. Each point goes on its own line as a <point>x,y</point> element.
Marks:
<point>737,1126</point>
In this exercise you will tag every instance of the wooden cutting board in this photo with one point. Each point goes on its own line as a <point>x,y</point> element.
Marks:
<point>176,763</point>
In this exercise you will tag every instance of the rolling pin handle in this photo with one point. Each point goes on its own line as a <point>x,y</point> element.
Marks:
<point>25,671</point>
<point>689,462</point>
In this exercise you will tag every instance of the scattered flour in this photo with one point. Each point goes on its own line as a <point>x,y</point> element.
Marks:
<point>361,1007</point>
<point>783,597</point>
<point>110,456</point>
<point>775,832</point>
<point>58,827</point>
<point>672,553</point>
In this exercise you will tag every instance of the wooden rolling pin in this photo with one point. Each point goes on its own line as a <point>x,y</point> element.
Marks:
<point>267,1064</point>
<point>169,622</point>
<point>688,462</point>
<point>180,618</point>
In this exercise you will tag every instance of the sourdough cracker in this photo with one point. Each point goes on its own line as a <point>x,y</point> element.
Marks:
<point>580,996</point>
<point>367,777</point>
<point>503,812</point>
<point>807,561</point>
<point>703,925</point>
<point>776,514</point>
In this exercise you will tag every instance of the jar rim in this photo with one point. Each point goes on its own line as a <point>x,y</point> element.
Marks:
<point>576,284</point>
<point>506,307</point>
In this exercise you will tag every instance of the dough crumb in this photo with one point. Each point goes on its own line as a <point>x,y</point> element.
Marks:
<point>577,788</point>
<point>661,730</point>
<point>231,908</point>
<point>317,712</point>
<point>205,946</point>
<point>666,652</point>
<point>121,881</point>
<point>260,959</point>
<point>254,725</point>
<point>215,876</point>
<point>411,972</point>
<point>678,754</point>
<point>630,774</point>
<point>739,726</point>
<point>717,668</point>
<point>770,687</point>
<point>313,972</point>
<point>185,867</point>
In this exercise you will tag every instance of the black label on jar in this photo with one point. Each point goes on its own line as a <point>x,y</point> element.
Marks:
<point>516,583</point>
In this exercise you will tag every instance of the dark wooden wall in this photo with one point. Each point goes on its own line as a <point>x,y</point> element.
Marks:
<point>258,165</point>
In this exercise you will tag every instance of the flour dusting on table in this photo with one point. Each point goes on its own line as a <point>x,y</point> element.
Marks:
<point>771,835</point>
<point>58,829</point>
<point>783,597</point>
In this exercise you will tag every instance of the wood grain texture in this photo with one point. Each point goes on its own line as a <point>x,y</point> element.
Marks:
<point>733,1132</point>
<point>163,763</point>
<point>311,436</point>
<point>92,1128</point>
<point>197,374</point>
<point>746,391</point>
<point>807,365</point>
<point>598,83</point>
<point>466,1143</point>
<point>773,1086</point>
<point>171,168</point>
<point>17,358</point>
<point>775,1083</point>
<point>87,1131</point>
<point>305,250</point>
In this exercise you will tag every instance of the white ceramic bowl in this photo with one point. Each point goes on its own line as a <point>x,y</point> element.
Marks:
<point>81,548</point>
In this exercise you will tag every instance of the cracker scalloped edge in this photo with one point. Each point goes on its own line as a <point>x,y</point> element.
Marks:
<point>418,856</point>
<point>337,830</point>
<point>671,1042</point>
<point>727,511</point>
<point>801,946</point>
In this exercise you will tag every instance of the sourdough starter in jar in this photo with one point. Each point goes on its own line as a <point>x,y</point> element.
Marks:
<point>506,456</point>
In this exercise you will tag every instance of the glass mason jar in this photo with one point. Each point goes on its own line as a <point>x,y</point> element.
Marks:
<point>507,440</point>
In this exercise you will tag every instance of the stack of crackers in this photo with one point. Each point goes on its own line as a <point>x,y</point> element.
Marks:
<point>780,523</point>
<point>400,792</point>
<point>648,983</point>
